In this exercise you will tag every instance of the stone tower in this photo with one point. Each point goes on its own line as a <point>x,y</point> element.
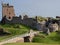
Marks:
<point>8,11</point>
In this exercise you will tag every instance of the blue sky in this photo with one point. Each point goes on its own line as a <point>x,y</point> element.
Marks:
<point>43,8</point>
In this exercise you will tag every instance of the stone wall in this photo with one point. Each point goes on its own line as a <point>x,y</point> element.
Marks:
<point>18,20</point>
<point>53,27</point>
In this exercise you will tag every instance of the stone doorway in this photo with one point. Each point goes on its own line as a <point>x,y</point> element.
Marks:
<point>26,39</point>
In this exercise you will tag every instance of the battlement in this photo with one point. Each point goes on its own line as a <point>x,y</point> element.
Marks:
<point>6,5</point>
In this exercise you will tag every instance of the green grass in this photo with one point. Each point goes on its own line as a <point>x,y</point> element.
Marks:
<point>30,44</point>
<point>17,29</point>
<point>50,39</point>
<point>14,29</point>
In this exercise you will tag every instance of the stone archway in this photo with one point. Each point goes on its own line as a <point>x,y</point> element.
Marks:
<point>26,39</point>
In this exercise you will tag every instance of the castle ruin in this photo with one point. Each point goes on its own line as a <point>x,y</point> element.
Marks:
<point>8,17</point>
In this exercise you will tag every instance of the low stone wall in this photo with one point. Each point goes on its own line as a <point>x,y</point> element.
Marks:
<point>23,38</point>
<point>20,40</point>
<point>13,40</point>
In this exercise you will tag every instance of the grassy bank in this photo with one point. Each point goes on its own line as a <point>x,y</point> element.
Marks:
<point>30,44</point>
<point>53,38</point>
<point>13,29</point>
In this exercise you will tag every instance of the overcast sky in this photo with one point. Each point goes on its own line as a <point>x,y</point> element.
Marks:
<point>34,7</point>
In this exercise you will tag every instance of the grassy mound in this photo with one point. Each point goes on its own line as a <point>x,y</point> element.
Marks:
<point>54,37</point>
<point>14,29</point>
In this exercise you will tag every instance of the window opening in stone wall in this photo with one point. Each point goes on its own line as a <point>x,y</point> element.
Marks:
<point>9,17</point>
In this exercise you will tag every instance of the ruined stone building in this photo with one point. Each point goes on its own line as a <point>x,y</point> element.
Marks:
<point>9,17</point>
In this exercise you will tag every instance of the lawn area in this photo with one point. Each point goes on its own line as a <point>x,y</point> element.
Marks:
<point>53,38</point>
<point>30,44</point>
<point>14,29</point>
